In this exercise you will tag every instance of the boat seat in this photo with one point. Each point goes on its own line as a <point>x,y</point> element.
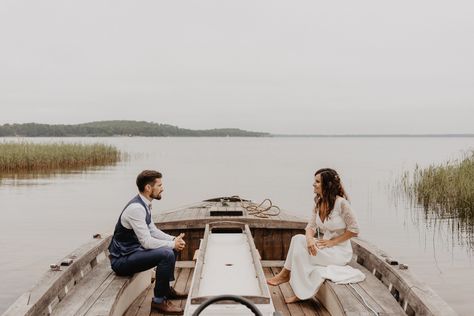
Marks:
<point>102,292</point>
<point>348,299</point>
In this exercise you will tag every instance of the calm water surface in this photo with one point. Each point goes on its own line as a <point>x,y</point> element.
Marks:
<point>46,218</point>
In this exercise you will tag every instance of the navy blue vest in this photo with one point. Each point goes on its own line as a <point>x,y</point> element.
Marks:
<point>125,241</point>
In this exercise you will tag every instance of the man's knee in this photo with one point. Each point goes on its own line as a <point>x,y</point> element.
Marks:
<point>165,254</point>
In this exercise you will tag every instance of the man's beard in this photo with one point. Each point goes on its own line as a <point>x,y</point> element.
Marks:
<point>156,196</point>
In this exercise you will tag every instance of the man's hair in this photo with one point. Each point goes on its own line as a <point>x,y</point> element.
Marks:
<point>147,177</point>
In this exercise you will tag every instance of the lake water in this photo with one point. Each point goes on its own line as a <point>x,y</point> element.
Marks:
<point>45,218</point>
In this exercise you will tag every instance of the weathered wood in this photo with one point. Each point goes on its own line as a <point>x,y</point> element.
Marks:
<point>373,287</point>
<point>277,297</point>
<point>119,294</point>
<point>415,296</point>
<point>103,293</point>
<point>145,307</point>
<point>263,298</point>
<point>77,297</point>
<point>286,291</point>
<point>135,306</point>
<point>200,260</point>
<point>258,268</point>
<point>51,286</point>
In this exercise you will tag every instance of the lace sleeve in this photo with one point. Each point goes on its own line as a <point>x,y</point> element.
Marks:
<point>312,222</point>
<point>349,217</point>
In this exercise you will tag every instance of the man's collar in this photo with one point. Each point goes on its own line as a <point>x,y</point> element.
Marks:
<point>147,202</point>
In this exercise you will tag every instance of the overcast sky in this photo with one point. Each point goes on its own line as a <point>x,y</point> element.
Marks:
<point>300,67</point>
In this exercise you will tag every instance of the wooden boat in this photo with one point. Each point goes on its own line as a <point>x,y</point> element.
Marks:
<point>85,285</point>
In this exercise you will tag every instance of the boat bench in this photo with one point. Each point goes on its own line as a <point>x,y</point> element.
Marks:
<point>87,286</point>
<point>363,298</point>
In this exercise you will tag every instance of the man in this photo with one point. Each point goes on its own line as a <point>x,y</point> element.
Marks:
<point>138,245</point>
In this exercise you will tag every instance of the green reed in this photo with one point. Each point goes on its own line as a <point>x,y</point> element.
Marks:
<point>446,190</point>
<point>29,157</point>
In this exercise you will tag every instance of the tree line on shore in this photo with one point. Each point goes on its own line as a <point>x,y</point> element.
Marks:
<point>117,128</point>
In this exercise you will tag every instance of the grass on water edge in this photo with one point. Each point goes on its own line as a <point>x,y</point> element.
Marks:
<point>446,190</point>
<point>27,157</point>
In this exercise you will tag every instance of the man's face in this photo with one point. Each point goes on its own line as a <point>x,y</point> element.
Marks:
<point>156,189</point>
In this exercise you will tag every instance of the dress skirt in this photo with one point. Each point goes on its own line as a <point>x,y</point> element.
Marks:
<point>306,270</point>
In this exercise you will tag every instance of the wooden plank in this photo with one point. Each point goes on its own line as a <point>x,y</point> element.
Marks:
<point>188,285</point>
<point>139,301</point>
<point>377,291</point>
<point>308,308</point>
<point>316,306</point>
<point>119,295</point>
<point>79,294</point>
<point>51,286</point>
<point>264,291</point>
<point>286,291</point>
<point>272,263</point>
<point>286,236</point>
<point>350,303</point>
<point>277,297</point>
<point>416,296</point>
<point>145,308</point>
<point>190,223</point>
<point>181,283</point>
<point>199,264</point>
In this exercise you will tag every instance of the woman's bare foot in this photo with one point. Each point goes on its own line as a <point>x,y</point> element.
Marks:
<point>277,280</point>
<point>292,299</point>
<point>282,277</point>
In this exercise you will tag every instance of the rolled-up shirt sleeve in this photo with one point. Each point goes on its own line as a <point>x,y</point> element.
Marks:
<point>133,217</point>
<point>349,217</point>
<point>158,233</point>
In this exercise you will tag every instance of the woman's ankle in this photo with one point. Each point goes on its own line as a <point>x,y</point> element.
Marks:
<point>285,273</point>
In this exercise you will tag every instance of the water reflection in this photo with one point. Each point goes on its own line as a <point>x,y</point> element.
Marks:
<point>37,177</point>
<point>439,209</point>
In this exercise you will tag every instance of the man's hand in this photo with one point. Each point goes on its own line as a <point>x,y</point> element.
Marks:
<point>312,249</point>
<point>179,243</point>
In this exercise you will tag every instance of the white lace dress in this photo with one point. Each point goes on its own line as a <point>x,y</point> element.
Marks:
<point>309,272</point>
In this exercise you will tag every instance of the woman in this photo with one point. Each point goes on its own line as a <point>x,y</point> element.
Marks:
<point>335,224</point>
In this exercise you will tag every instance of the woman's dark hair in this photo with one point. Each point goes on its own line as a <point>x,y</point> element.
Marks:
<point>331,187</point>
<point>147,177</point>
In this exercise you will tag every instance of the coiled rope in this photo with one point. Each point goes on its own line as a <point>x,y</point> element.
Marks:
<point>261,210</point>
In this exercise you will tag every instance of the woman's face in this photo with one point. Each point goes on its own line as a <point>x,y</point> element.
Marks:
<point>318,189</point>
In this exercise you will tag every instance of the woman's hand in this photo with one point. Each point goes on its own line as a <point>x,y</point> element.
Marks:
<point>325,243</point>
<point>312,249</point>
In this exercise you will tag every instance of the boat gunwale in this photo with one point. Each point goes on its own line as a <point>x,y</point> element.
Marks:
<point>415,296</point>
<point>51,287</point>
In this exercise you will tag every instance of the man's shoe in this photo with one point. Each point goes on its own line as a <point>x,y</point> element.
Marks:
<point>167,307</point>
<point>176,295</point>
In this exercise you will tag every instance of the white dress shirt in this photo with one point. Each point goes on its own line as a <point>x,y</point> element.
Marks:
<point>150,237</point>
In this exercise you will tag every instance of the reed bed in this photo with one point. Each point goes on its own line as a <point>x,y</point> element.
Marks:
<point>29,157</point>
<point>446,190</point>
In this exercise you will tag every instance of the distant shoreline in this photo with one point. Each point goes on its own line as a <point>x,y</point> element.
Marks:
<point>151,129</point>
<point>265,136</point>
<point>378,136</point>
